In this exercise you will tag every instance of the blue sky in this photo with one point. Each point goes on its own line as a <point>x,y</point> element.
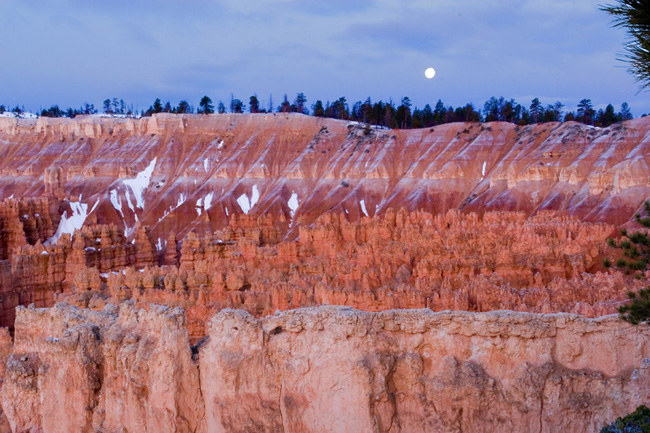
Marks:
<point>74,51</point>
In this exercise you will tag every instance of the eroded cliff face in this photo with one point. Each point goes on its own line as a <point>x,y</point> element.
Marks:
<point>266,212</point>
<point>189,172</point>
<point>326,369</point>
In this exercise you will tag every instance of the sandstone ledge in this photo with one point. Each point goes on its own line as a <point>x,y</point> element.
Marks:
<point>322,369</point>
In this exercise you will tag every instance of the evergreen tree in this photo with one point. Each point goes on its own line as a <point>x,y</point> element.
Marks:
<point>285,107</point>
<point>606,117</point>
<point>439,112</point>
<point>53,111</point>
<point>300,102</point>
<point>221,107</point>
<point>318,109</point>
<point>183,107</point>
<point>236,106</point>
<point>205,106</point>
<point>638,309</point>
<point>365,111</point>
<point>585,113</point>
<point>106,105</point>
<point>254,104</point>
<point>426,115</point>
<point>536,111</point>
<point>634,15</point>
<point>403,113</point>
<point>625,112</point>
<point>557,107</point>
<point>157,106</point>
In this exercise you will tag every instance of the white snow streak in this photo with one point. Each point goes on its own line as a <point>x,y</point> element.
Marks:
<point>293,203</point>
<point>91,210</point>
<point>483,171</point>
<point>363,207</point>
<point>207,203</point>
<point>141,182</point>
<point>117,202</point>
<point>247,204</point>
<point>206,164</point>
<point>128,200</point>
<point>70,224</point>
<point>244,203</point>
<point>181,200</point>
<point>255,197</point>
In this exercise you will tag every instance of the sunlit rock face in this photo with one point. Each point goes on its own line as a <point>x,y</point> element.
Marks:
<point>325,369</point>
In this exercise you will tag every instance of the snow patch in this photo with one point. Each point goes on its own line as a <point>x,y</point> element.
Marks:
<point>483,171</point>
<point>207,203</point>
<point>91,210</point>
<point>293,203</point>
<point>128,200</point>
<point>181,200</point>
<point>244,203</point>
<point>247,204</point>
<point>23,115</point>
<point>220,145</point>
<point>363,207</point>
<point>159,245</point>
<point>117,202</point>
<point>227,212</point>
<point>206,164</point>
<point>141,183</point>
<point>255,197</point>
<point>73,222</point>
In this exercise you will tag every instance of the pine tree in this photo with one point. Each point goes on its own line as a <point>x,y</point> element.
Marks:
<point>625,112</point>
<point>585,112</point>
<point>183,107</point>
<point>634,15</point>
<point>300,102</point>
<point>254,104</point>
<point>318,109</point>
<point>205,106</point>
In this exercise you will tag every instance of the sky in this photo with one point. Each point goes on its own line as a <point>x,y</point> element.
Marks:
<point>69,52</point>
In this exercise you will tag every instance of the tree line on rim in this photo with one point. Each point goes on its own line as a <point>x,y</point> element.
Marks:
<point>387,114</point>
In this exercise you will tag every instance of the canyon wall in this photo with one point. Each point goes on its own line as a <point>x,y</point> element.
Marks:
<point>325,369</point>
<point>186,173</point>
<point>277,211</point>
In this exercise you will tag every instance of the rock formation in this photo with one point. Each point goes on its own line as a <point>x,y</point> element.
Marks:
<point>502,260</point>
<point>326,369</point>
<point>280,211</point>
<point>190,172</point>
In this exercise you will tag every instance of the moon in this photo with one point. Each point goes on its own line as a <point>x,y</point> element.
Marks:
<point>430,73</point>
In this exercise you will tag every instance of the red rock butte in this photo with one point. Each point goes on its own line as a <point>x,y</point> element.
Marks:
<point>267,212</point>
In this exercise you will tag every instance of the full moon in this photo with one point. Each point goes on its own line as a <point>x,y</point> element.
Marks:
<point>430,73</point>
